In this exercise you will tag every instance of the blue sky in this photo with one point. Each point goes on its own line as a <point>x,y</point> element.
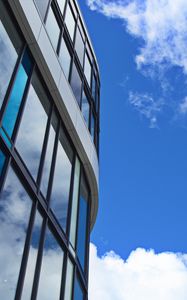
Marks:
<point>140,46</point>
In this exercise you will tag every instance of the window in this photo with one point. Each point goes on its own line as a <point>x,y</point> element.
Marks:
<point>10,46</point>
<point>33,124</point>
<point>78,292</point>
<point>62,180</point>
<point>65,58</point>
<point>51,269</point>
<point>42,7</point>
<point>79,46</point>
<point>82,223</point>
<point>76,83</point>
<point>70,21</point>
<point>53,28</point>
<point>85,108</point>
<point>61,4</point>
<point>94,87</point>
<point>69,281</point>
<point>92,129</point>
<point>15,207</point>
<point>87,69</point>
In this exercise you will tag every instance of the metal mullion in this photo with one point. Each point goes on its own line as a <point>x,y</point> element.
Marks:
<point>47,11</point>
<point>63,277</point>
<point>25,253</point>
<point>39,260</point>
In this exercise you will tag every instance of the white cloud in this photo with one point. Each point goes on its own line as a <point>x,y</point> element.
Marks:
<point>161,24</point>
<point>183,106</point>
<point>145,275</point>
<point>147,106</point>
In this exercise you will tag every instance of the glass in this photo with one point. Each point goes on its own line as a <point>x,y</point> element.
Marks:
<point>53,28</point>
<point>87,69</point>
<point>10,47</point>
<point>33,125</point>
<point>65,58</point>
<point>76,83</point>
<point>42,7</point>
<point>79,46</point>
<point>69,281</point>
<point>78,293</point>
<point>2,161</point>
<point>70,22</point>
<point>75,198</point>
<point>62,180</point>
<point>15,208</point>
<point>35,239</point>
<point>94,87</point>
<point>85,108</point>
<point>51,269</point>
<point>61,4</point>
<point>82,223</point>
<point>16,95</point>
<point>92,129</point>
<point>48,156</point>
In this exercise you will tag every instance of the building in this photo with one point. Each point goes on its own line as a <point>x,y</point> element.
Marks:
<point>49,137</point>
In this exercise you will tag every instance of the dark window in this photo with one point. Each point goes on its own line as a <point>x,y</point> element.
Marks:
<point>10,46</point>
<point>85,108</point>
<point>42,7</point>
<point>51,270</point>
<point>78,293</point>
<point>33,124</point>
<point>65,58</point>
<point>92,129</point>
<point>76,83</point>
<point>70,22</point>
<point>61,180</point>
<point>94,87</point>
<point>15,207</point>
<point>53,28</point>
<point>79,46</point>
<point>82,222</point>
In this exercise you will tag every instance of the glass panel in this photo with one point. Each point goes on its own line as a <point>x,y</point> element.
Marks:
<point>48,156</point>
<point>79,46</point>
<point>61,4</point>
<point>15,207</point>
<point>82,223</point>
<point>75,203</point>
<point>33,125</point>
<point>76,83</point>
<point>10,46</point>
<point>70,22</point>
<point>69,281</point>
<point>16,96</point>
<point>92,129</point>
<point>53,28</point>
<point>78,293</point>
<point>42,7</point>
<point>51,270</point>
<point>85,109</point>
<point>87,69</point>
<point>65,58</point>
<point>27,288</point>
<point>94,87</point>
<point>61,180</point>
<point>2,161</point>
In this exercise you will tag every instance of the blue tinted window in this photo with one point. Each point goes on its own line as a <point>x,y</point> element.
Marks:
<point>2,161</point>
<point>78,293</point>
<point>16,95</point>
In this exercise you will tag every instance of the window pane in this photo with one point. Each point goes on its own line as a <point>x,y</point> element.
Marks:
<point>42,7</point>
<point>79,46</point>
<point>82,223</point>
<point>65,58</point>
<point>10,46</point>
<point>33,124</point>
<point>85,109</point>
<point>27,288</point>
<point>53,28</point>
<point>70,22</point>
<point>78,293</point>
<point>61,4</point>
<point>51,270</point>
<point>16,95</point>
<point>75,203</point>
<point>69,281</point>
<point>76,83</point>
<point>48,156</point>
<point>15,207</point>
<point>61,180</point>
<point>2,161</point>
<point>87,69</point>
<point>94,87</point>
<point>92,130</point>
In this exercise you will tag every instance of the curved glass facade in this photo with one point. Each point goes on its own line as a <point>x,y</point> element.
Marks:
<point>44,193</point>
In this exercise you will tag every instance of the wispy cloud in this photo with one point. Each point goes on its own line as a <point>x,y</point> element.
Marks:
<point>183,106</point>
<point>145,275</point>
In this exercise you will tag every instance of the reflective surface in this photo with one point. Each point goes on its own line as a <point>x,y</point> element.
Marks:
<point>70,21</point>
<point>76,83</point>
<point>65,58</point>
<point>78,293</point>
<point>87,69</point>
<point>85,108</point>
<point>42,7</point>
<point>69,281</point>
<point>52,28</point>
<point>15,206</point>
<point>79,46</point>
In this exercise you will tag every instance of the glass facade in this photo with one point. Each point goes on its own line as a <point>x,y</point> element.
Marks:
<point>44,191</point>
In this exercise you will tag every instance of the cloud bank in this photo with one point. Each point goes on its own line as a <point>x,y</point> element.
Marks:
<point>143,276</point>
